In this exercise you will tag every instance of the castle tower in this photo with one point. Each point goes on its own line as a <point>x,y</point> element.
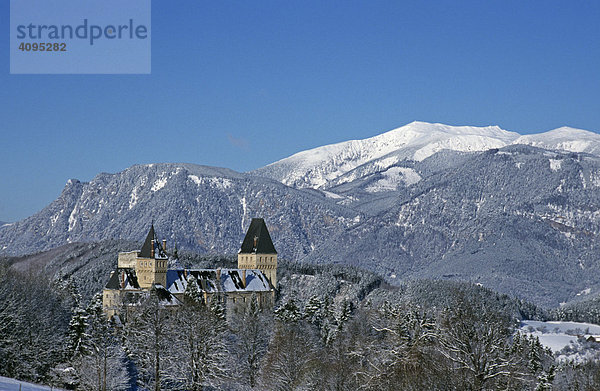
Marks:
<point>152,262</point>
<point>258,252</point>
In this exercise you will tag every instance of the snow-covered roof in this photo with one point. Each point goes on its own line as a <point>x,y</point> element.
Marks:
<point>165,297</point>
<point>230,280</point>
<point>123,278</point>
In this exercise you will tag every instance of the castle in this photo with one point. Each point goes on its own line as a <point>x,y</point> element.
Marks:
<point>154,267</point>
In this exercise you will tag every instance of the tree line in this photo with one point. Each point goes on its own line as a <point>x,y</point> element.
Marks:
<point>430,335</point>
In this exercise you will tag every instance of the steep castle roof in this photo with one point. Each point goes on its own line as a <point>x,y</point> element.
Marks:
<point>146,251</point>
<point>257,239</point>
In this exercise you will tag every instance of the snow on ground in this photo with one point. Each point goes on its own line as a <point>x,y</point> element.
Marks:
<point>586,291</point>
<point>329,194</point>
<point>7,384</point>
<point>219,183</point>
<point>393,178</point>
<point>560,335</point>
<point>159,184</point>
<point>562,327</point>
<point>555,164</point>
<point>133,199</point>
<point>463,143</point>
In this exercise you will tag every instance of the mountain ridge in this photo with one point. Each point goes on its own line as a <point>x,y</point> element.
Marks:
<point>466,215</point>
<point>414,141</point>
<point>196,207</point>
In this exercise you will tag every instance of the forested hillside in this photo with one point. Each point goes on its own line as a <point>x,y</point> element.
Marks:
<point>333,328</point>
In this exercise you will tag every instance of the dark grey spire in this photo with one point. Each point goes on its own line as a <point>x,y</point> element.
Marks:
<point>257,239</point>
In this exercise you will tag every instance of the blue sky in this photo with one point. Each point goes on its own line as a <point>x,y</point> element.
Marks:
<point>242,84</point>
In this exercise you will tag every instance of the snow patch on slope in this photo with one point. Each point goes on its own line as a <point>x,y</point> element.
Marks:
<point>133,199</point>
<point>393,179</point>
<point>221,183</point>
<point>466,143</point>
<point>159,184</point>
<point>73,218</point>
<point>555,164</point>
<point>334,196</point>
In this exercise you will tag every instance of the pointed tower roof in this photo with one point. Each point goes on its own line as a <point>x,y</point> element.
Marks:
<point>257,239</point>
<point>146,251</point>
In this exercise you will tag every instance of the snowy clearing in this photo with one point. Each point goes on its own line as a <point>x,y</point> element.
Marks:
<point>393,178</point>
<point>560,335</point>
<point>7,384</point>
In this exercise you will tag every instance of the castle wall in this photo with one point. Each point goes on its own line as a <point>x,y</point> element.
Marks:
<point>127,259</point>
<point>111,302</point>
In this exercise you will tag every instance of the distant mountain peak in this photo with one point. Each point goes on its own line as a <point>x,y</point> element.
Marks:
<point>419,140</point>
<point>566,131</point>
<point>416,141</point>
<point>565,139</point>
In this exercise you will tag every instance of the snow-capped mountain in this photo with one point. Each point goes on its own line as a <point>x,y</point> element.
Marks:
<point>518,219</point>
<point>564,139</point>
<point>416,141</point>
<point>423,200</point>
<point>319,167</point>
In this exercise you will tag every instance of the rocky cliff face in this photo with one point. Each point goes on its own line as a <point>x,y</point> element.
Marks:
<point>201,208</point>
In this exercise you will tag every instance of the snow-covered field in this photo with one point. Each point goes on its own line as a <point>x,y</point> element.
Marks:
<point>560,335</point>
<point>7,384</point>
